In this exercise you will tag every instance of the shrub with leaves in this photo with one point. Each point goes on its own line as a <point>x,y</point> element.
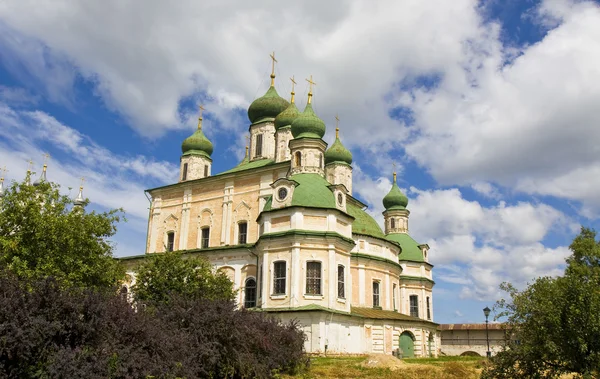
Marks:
<point>51,331</point>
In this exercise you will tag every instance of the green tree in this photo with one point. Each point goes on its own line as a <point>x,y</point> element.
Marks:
<point>555,322</point>
<point>164,275</point>
<point>43,235</point>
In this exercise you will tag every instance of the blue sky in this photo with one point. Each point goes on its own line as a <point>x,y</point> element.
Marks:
<point>489,109</point>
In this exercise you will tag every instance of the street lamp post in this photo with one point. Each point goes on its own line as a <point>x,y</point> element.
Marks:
<point>486,312</point>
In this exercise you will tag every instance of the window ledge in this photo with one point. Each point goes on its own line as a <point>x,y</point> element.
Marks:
<point>341,300</point>
<point>377,307</point>
<point>278,297</point>
<point>313,297</point>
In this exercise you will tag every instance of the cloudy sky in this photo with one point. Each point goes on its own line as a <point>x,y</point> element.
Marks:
<point>490,109</point>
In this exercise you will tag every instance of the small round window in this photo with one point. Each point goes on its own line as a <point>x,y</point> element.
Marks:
<point>340,198</point>
<point>282,193</point>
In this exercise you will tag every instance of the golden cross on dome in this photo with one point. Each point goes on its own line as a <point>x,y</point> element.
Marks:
<point>394,164</point>
<point>30,165</point>
<point>293,84</point>
<point>46,158</point>
<point>200,109</point>
<point>4,171</point>
<point>82,181</point>
<point>310,88</point>
<point>337,123</point>
<point>273,69</point>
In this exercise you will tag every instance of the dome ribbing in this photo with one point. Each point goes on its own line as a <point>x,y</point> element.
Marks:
<point>338,152</point>
<point>395,199</point>
<point>267,106</point>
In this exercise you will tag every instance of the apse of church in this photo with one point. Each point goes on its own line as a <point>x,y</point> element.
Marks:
<point>285,227</point>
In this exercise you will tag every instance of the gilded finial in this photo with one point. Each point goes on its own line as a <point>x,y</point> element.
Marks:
<point>200,109</point>
<point>4,171</point>
<point>81,184</point>
<point>273,69</point>
<point>394,164</point>
<point>337,126</point>
<point>30,165</point>
<point>246,151</point>
<point>293,93</point>
<point>46,158</point>
<point>310,88</point>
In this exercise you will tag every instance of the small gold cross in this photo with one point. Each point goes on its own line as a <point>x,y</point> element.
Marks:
<point>311,84</point>
<point>273,63</point>
<point>82,181</point>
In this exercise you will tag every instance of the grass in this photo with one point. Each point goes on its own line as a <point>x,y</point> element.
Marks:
<point>413,368</point>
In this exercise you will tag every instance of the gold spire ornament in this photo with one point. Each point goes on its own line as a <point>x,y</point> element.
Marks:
<point>46,158</point>
<point>310,88</point>
<point>273,69</point>
<point>200,109</point>
<point>29,166</point>
<point>293,93</point>
<point>337,126</point>
<point>394,175</point>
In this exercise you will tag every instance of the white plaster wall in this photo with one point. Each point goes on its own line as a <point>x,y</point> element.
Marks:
<point>267,129</point>
<point>282,149</point>
<point>338,173</point>
<point>196,165</point>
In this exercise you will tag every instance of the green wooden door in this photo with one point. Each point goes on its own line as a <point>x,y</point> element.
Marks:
<point>407,345</point>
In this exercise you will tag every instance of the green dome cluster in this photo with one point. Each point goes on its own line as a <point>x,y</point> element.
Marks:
<point>395,199</point>
<point>197,143</point>
<point>287,117</point>
<point>267,106</point>
<point>338,153</point>
<point>308,125</point>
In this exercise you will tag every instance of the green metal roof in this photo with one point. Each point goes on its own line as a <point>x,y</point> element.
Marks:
<point>267,106</point>
<point>287,117</point>
<point>338,153</point>
<point>308,124</point>
<point>312,191</point>
<point>395,199</point>
<point>245,165</point>
<point>363,223</point>
<point>197,143</point>
<point>410,247</point>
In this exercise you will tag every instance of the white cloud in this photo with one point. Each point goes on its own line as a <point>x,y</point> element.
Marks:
<point>530,124</point>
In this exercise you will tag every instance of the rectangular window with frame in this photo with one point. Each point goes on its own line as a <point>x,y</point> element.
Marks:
<point>242,232</point>
<point>376,294</point>
<point>341,282</point>
<point>170,241</point>
<point>259,145</point>
<point>394,296</point>
<point>205,171</point>
<point>184,175</point>
<point>428,308</point>
<point>313,278</point>
<point>279,276</point>
<point>205,238</point>
<point>414,305</point>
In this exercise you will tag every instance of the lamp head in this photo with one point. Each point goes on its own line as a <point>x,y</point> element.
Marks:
<point>486,311</point>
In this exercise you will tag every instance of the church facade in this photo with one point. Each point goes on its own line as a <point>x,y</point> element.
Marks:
<point>285,228</point>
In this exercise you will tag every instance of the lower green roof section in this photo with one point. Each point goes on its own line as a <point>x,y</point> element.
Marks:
<point>363,222</point>
<point>312,191</point>
<point>410,247</point>
<point>248,166</point>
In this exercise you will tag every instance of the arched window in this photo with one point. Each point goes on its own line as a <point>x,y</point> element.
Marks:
<point>392,223</point>
<point>259,145</point>
<point>341,282</point>
<point>170,241</point>
<point>298,159</point>
<point>250,293</point>
<point>313,278</point>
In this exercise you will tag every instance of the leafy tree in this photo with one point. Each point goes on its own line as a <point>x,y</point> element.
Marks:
<point>42,234</point>
<point>555,322</point>
<point>162,276</point>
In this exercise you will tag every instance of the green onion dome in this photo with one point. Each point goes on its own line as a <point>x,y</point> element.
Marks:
<point>267,107</point>
<point>395,199</point>
<point>308,124</point>
<point>197,143</point>
<point>337,152</point>
<point>287,117</point>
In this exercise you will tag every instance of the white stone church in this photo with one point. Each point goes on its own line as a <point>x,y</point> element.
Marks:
<point>285,228</point>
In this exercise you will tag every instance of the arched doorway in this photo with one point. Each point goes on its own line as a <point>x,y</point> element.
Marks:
<point>407,345</point>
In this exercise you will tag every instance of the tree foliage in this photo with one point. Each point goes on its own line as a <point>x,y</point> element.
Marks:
<point>555,321</point>
<point>42,235</point>
<point>52,331</point>
<point>162,276</point>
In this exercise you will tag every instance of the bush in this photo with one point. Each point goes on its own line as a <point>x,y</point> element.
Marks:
<point>48,330</point>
